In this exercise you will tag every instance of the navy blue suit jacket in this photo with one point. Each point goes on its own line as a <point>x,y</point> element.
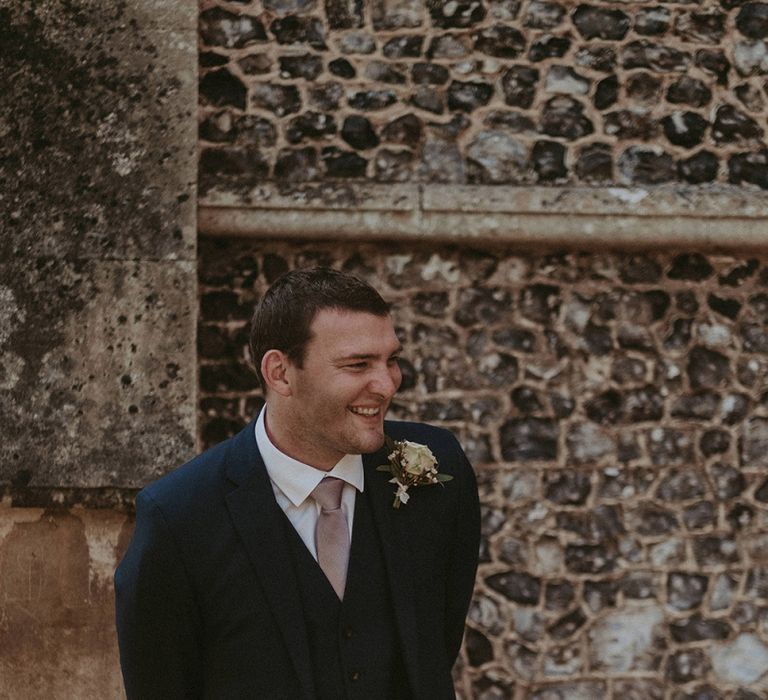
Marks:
<point>207,601</point>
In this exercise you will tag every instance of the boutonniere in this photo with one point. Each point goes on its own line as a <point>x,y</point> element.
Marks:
<point>411,464</point>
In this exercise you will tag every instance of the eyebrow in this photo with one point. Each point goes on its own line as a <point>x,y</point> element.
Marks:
<point>366,356</point>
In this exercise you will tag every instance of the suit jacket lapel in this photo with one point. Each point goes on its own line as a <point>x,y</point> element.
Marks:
<point>258,520</point>
<point>396,558</point>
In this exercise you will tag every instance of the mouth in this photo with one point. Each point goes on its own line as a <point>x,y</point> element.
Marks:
<point>364,411</point>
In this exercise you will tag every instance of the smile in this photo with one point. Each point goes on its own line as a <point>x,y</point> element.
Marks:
<point>364,411</point>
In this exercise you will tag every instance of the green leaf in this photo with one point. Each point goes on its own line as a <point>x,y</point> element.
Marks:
<point>383,468</point>
<point>444,477</point>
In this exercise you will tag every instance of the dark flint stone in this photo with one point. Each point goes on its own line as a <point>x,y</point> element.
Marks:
<point>299,30</point>
<point>752,20</point>
<point>595,163</point>
<point>646,167</point>
<point>685,129</point>
<point>211,59</point>
<point>280,99</point>
<point>715,63</point>
<point>639,269</point>
<point>735,408</point>
<point>234,161</point>
<point>221,28</point>
<point>669,447</point>
<point>644,54</point>
<point>518,587</point>
<point>598,339</point>
<point>548,47</point>
<point>761,493</point>
<point>725,307</point>
<point>382,72</point>
<point>220,428</point>
<point>370,100</point>
<point>548,160</point>
<point>653,521</point>
<point>567,625</point>
<point>605,408</point>
<point>559,595</point>
<point>750,97</point>
<point>686,302</point>
<point>643,88</point>
<point>567,488</point>
<point>479,649</point>
<point>699,515</point>
<point>599,58</point>
<point>601,526</point>
<point>247,129</point>
<point>564,117</point>
<point>526,439</point>
<point>255,64</point>
<point>342,67</point>
<point>222,306</point>
<point>460,14</point>
<point>357,43</point>
<point>755,338</point>
<point>689,91</point>
<point>759,303</point>
<point>429,74</point>
<point>468,96</point>
<point>562,406</point>
<point>601,23</point>
<point>393,166</point>
<point>686,666</point>
<point>732,126</point>
<point>482,305</point>
<point>519,86</point>
<point>744,694</point>
<point>715,550</point>
<point>630,124</point>
<point>651,21</point>
<point>297,165</point>
<point>233,377</point>
<point>310,125</point>
<point>643,404</point>
<point>358,133</point>
<point>447,46</point>
<point>679,335</point>
<point>628,370</point>
<point>286,7</point>
<point>403,47</point>
<point>690,266</point>
<point>307,66</point>
<point>343,164</point>
<point>686,591</point>
<point>682,485</point>
<point>515,339</point>
<point>728,481</point>
<point>707,368</point>
<point>639,585</point>
<point>409,374</point>
<point>220,88</point>
<point>540,302</point>
<point>500,41</point>
<point>700,167</point>
<point>700,406</point>
<point>589,559</point>
<point>509,121</point>
<point>701,28</point>
<point>405,130</point>
<point>428,99</point>
<point>526,400</point>
<point>543,15</point>
<point>599,595</point>
<point>714,442</point>
<point>739,274</point>
<point>749,167</point>
<point>344,14</point>
<point>607,92</point>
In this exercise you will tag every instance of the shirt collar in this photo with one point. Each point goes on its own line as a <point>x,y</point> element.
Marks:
<point>296,479</point>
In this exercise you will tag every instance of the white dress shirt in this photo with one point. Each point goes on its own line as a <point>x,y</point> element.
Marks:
<point>294,481</point>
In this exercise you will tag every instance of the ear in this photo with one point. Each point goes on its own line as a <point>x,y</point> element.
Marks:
<point>274,369</point>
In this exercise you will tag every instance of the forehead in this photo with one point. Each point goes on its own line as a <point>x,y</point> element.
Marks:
<point>335,331</point>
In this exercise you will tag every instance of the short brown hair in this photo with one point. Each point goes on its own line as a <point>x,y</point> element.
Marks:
<point>283,317</point>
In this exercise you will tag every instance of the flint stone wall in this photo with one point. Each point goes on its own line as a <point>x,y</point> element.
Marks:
<point>487,92</point>
<point>616,412</point>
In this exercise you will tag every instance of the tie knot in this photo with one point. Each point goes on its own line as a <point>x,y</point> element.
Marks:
<point>328,493</point>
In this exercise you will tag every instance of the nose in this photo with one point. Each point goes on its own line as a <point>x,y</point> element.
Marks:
<point>386,381</point>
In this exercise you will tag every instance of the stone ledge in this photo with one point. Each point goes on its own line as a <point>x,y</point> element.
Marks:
<point>632,218</point>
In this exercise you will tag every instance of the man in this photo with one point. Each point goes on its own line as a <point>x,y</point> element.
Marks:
<point>241,581</point>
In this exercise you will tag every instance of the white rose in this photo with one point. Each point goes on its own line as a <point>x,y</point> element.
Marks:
<point>416,459</point>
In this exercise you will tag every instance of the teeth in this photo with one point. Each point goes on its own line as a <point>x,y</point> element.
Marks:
<point>364,411</point>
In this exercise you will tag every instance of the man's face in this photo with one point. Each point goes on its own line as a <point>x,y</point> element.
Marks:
<point>340,395</point>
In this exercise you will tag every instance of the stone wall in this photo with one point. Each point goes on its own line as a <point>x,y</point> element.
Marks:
<point>615,409</point>
<point>498,91</point>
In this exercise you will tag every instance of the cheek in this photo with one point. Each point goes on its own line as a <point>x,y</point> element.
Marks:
<point>397,376</point>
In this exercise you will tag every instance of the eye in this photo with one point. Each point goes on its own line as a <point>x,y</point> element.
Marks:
<point>357,365</point>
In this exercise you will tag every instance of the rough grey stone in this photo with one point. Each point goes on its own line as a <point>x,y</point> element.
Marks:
<point>589,559</point>
<point>595,163</point>
<point>255,64</point>
<point>657,57</point>
<point>526,439</point>
<point>597,57</point>
<point>395,14</point>
<point>699,515</point>
<point>669,447</point>
<point>652,20</point>
<point>218,27</point>
<point>357,43</point>
<point>646,166</point>
<point>500,41</point>
<point>690,91</point>
<point>543,15</point>
<point>707,368</point>
<point>406,46</point>
<point>518,587</point>
<point>565,80</point>
<point>686,591</point>
<point>564,117</point>
<point>701,27</point>
<point>468,96</point>
<point>299,30</point>
<point>307,66</point>
<point>548,46</point>
<point>502,158</point>
<point>754,442</point>
<point>280,99</point>
<point>630,124</point>
<point>688,665</point>
<point>601,23</point>
<point>344,14</point>
<point>519,86</point>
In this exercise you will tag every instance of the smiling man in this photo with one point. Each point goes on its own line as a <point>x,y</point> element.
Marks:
<point>281,563</point>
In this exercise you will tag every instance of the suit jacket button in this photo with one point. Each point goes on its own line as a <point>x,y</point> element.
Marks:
<point>355,675</point>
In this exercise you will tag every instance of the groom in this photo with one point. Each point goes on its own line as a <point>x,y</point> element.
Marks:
<point>275,565</point>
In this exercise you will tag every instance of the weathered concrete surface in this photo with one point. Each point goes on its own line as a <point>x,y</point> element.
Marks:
<point>97,241</point>
<point>57,634</point>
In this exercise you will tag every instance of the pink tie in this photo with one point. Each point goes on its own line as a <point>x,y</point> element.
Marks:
<point>332,533</point>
